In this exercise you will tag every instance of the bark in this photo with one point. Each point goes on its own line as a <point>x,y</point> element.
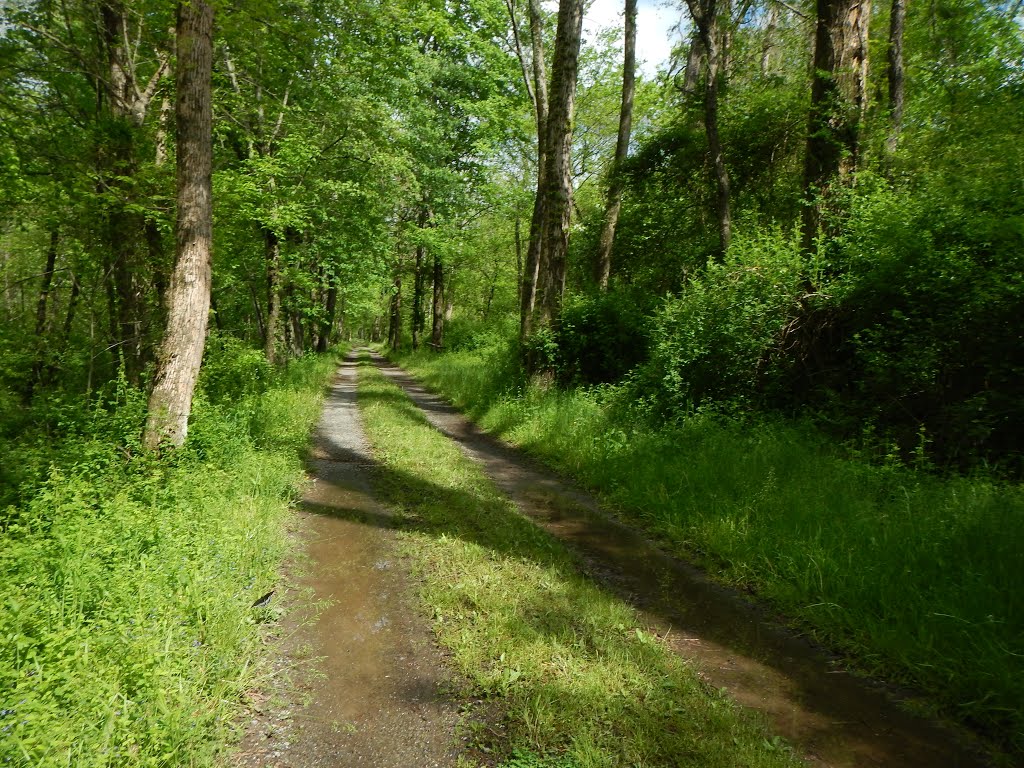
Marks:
<point>69,318</point>
<point>706,15</point>
<point>897,17</point>
<point>327,324</point>
<point>395,315</point>
<point>694,63</point>
<point>558,178</point>
<point>419,283</point>
<point>768,47</point>
<point>272,256</point>
<point>437,327</point>
<point>532,269</point>
<point>189,296</point>
<point>614,202</point>
<point>838,101</point>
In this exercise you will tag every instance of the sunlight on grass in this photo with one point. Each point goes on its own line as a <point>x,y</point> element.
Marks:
<point>582,685</point>
<point>916,577</point>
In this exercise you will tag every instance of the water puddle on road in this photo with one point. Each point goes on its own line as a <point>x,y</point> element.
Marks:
<point>831,717</point>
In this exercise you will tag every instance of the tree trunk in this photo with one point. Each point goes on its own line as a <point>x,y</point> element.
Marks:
<point>327,324</point>
<point>614,202</point>
<point>419,283</point>
<point>532,269</point>
<point>395,315</point>
<point>705,14</point>
<point>558,178</point>
<point>694,63</point>
<point>838,100</point>
<point>768,46</point>
<point>272,255</point>
<point>189,296</point>
<point>897,18</point>
<point>437,327</point>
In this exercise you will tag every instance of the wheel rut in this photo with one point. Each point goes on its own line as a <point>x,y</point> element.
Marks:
<point>831,717</point>
<point>370,687</point>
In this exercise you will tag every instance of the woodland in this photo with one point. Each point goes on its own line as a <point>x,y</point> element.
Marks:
<point>767,301</point>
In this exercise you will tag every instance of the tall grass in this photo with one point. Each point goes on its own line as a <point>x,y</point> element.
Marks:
<point>126,580</point>
<point>917,577</point>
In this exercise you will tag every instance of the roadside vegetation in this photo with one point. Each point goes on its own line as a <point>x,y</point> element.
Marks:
<point>914,577</point>
<point>579,681</point>
<point>127,632</point>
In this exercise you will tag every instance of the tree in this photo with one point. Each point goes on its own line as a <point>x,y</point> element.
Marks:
<point>611,214</point>
<point>838,103</point>
<point>557,200</point>
<point>189,296</point>
<point>897,17</point>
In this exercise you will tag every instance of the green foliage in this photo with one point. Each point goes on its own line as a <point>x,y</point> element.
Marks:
<point>127,579</point>
<point>711,342</point>
<point>232,370</point>
<point>600,338</point>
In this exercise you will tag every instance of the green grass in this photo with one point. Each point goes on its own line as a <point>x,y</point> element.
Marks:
<point>918,578</point>
<point>579,680</point>
<point>126,580</point>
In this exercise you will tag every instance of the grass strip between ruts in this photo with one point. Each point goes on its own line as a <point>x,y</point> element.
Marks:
<point>915,577</point>
<point>581,683</point>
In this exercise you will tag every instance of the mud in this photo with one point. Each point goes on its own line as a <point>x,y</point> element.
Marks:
<point>369,687</point>
<point>829,716</point>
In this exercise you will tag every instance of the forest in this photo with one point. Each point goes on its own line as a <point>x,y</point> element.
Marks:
<point>763,298</point>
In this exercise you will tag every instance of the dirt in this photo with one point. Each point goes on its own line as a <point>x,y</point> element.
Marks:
<point>360,681</point>
<point>828,715</point>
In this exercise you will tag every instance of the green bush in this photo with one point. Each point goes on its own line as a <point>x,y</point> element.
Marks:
<point>710,342</point>
<point>126,579</point>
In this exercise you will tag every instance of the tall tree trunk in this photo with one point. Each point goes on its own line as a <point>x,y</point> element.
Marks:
<point>395,315</point>
<point>838,101</point>
<point>532,269</point>
<point>695,57</point>
<point>437,326</point>
<point>768,46</point>
<point>897,17</point>
<point>558,178</point>
<point>706,16</point>
<point>272,256</point>
<point>189,296</point>
<point>419,282</point>
<point>69,317</point>
<point>327,324</point>
<point>614,202</point>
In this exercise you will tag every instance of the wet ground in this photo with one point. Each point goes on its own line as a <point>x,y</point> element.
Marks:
<point>830,717</point>
<point>360,681</point>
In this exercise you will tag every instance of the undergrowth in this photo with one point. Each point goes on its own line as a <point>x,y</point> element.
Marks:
<point>127,579</point>
<point>581,681</point>
<point>916,577</point>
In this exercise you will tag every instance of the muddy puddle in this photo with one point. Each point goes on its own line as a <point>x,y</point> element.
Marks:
<point>830,717</point>
<point>370,686</point>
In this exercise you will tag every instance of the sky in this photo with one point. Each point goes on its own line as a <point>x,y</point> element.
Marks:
<point>655,28</point>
